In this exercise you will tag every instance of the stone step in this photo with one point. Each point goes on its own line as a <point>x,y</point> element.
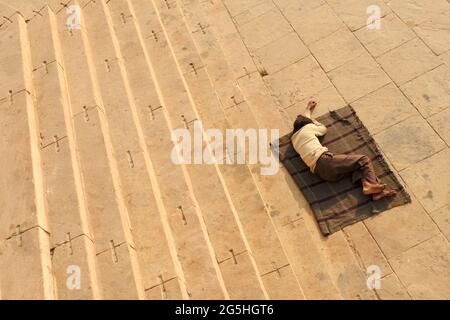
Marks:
<point>29,9</point>
<point>250,212</point>
<point>240,280</point>
<point>24,231</point>
<point>198,266</point>
<point>7,14</point>
<point>139,203</point>
<point>117,261</point>
<point>70,236</point>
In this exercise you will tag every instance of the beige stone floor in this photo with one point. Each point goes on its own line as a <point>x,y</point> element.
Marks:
<point>88,190</point>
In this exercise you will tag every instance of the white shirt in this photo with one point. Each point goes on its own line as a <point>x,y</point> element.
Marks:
<point>307,144</point>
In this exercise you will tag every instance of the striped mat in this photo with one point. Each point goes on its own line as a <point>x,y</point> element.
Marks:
<point>339,204</point>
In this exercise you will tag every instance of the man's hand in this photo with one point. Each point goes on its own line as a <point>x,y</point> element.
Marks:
<point>311,105</point>
<point>309,108</point>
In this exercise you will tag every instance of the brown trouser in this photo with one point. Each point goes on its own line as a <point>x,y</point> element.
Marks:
<point>333,167</point>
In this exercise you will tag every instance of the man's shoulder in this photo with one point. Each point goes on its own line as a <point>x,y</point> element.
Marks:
<point>305,131</point>
<point>307,128</point>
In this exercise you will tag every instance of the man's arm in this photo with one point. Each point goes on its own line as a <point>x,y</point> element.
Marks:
<point>309,108</point>
<point>308,113</point>
<point>320,129</point>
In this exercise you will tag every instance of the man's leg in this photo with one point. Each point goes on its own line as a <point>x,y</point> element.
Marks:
<point>371,184</point>
<point>336,167</point>
<point>367,171</point>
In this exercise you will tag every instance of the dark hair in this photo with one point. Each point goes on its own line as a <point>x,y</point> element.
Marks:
<point>300,122</point>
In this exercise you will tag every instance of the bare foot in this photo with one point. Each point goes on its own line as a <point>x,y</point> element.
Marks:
<point>384,194</point>
<point>370,188</point>
<point>311,105</point>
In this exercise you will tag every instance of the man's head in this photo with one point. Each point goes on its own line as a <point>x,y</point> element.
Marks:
<point>300,122</point>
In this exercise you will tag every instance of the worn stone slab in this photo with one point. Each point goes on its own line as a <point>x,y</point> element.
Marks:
<point>260,232</point>
<point>409,142</point>
<point>164,289</point>
<point>69,258</point>
<point>10,64</point>
<point>258,96</point>
<point>268,27</point>
<point>401,228</point>
<point>236,6</point>
<point>430,180</point>
<point>344,275</point>
<point>20,263</point>
<point>118,281</point>
<point>393,33</point>
<point>232,45</point>
<point>435,31</point>
<point>392,289</point>
<point>253,12</point>
<point>355,12</point>
<point>6,11</point>
<point>383,108</point>
<point>295,9</point>
<point>327,99</point>
<point>366,249</point>
<point>24,244</point>
<point>408,61</point>
<point>440,123</point>
<point>297,82</point>
<point>414,12</point>
<point>18,184</point>
<point>282,284</point>
<point>336,49</point>
<point>358,77</point>
<point>312,272</point>
<point>313,25</point>
<point>442,219</point>
<point>430,93</point>
<point>245,287</point>
<point>445,57</point>
<point>281,53</point>
<point>345,270</point>
<point>17,194</point>
<point>425,269</point>
<point>20,7</point>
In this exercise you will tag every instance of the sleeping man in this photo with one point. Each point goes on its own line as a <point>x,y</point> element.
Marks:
<point>333,167</point>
